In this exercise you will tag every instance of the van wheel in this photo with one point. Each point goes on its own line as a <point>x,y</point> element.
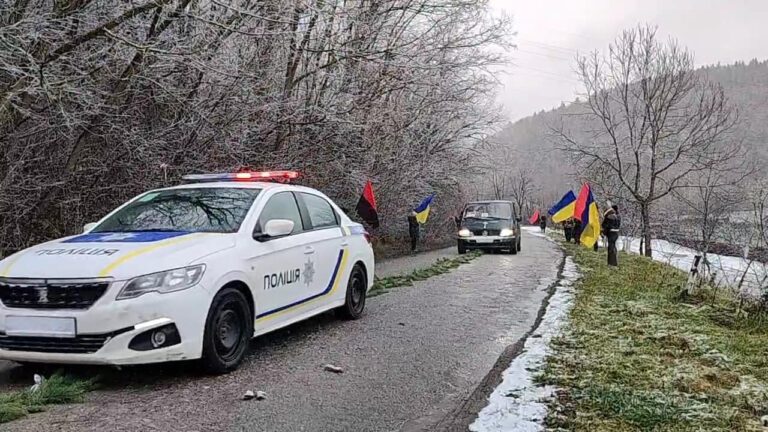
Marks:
<point>462,249</point>
<point>357,288</point>
<point>228,329</point>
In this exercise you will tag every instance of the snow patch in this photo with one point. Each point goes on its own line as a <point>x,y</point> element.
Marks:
<point>728,270</point>
<point>518,404</point>
<point>534,230</point>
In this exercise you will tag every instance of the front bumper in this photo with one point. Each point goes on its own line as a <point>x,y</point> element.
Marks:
<point>115,323</point>
<point>488,242</point>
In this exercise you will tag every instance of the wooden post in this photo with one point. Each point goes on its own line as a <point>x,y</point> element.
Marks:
<point>692,275</point>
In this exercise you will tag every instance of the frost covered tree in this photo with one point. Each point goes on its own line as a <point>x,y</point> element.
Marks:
<point>100,100</point>
<point>649,120</point>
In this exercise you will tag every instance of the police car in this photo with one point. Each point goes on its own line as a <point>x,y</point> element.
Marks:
<point>187,272</point>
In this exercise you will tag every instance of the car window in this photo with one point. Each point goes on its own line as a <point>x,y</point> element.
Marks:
<point>281,205</point>
<point>218,210</point>
<point>321,213</point>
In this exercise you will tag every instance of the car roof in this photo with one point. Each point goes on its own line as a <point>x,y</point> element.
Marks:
<point>240,185</point>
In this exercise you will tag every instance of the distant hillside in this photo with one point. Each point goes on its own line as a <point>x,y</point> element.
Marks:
<point>528,140</point>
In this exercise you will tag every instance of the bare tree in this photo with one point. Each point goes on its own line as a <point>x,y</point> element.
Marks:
<point>650,120</point>
<point>521,188</point>
<point>100,100</point>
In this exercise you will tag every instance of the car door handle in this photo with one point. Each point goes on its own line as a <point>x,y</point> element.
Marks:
<point>309,250</point>
<point>344,243</point>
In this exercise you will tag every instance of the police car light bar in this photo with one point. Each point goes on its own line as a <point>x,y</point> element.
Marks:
<point>278,176</point>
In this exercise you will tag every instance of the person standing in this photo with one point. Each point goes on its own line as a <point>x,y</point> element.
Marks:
<point>611,226</point>
<point>543,223</point>
<point>568,229</point>
<point>413,230</point>
<point>576,233</point>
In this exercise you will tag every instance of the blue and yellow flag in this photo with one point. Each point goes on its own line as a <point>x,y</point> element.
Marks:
<point>564,209</point>
<point>586,212</point>
<point>422,211</point>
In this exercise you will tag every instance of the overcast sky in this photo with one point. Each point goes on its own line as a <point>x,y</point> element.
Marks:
<point>550,32</point>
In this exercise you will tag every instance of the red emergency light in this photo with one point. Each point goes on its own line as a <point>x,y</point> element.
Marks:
<point>276,176</point>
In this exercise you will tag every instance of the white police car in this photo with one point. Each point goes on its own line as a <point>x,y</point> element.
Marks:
<point>188,272</point>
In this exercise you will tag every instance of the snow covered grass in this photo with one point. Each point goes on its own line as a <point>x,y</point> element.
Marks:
<point>727,271</point>
<point>518,404</point>
<point>635,357</point>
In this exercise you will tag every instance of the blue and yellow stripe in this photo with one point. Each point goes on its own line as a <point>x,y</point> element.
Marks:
<point>333,286</point>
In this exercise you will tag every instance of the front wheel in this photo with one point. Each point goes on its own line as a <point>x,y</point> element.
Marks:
<point>462,249</point>
<point>228,329</point>
<point>357,288</point>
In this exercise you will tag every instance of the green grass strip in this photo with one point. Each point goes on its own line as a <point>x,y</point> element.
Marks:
<point>57,389</point>
<point>635,357</point>
<point>442,265</point>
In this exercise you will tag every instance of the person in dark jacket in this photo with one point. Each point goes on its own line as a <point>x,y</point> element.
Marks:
<point>576,231</point>
<point>568,229</point>
<point>413,230</point>
<point>543,222</point>
<point>611,226</point>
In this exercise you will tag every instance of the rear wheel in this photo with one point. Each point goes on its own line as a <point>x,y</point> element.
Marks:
<point>228,330</point>
<point>357,288</point>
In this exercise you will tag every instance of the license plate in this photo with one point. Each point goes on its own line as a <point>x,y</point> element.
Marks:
<point>40,326</point>
<point>484,240</point>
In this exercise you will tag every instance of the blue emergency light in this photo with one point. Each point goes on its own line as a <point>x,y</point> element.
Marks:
<point>252,176</point>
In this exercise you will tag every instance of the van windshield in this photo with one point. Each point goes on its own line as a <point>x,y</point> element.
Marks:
<point>491,210</point>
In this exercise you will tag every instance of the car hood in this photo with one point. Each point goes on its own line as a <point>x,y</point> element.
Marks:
<point>117,255</point>
<point>479,224</point>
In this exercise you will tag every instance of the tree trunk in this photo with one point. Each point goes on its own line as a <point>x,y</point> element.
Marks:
<point>646,217</point>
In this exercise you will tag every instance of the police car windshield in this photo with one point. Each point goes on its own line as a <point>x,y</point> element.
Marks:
<point>219,210</point>
<point>488,211</point>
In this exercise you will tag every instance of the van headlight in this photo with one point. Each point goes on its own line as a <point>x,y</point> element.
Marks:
<point>464,232</point>
<point>163,282</point>
<point>507,232</point>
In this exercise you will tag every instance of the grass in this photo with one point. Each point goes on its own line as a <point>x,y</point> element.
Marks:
<point>636,357</point>
<point>442,265</point>
<point>58,389</point>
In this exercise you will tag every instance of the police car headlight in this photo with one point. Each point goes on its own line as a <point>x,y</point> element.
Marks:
<point>163,282</point>
<point>506,232</point>
<point>464,232</point>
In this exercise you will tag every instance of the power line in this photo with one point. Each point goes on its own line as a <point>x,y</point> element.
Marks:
<point>561,49</point>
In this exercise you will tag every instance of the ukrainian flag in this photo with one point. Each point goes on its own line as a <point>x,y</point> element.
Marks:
<point>564,209</point>
<point>586,212</point>
<point>422,211</point>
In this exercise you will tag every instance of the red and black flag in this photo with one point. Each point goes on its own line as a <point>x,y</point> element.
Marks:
<point>366,207</point>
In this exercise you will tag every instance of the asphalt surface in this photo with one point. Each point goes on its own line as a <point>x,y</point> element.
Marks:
<point>417,354</point>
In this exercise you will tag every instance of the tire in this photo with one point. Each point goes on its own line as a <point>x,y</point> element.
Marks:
<point>357,288</point>
<point>228,330</point>
<point>462,249</point>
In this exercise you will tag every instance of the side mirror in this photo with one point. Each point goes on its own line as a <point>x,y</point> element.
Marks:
<point>89,226</point>
<point>274,228</point>
<point>519,219</point>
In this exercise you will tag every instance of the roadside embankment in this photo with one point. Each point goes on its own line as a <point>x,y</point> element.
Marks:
<point>635,356</point>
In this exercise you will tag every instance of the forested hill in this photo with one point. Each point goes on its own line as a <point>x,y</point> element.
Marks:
<point>531,147</point>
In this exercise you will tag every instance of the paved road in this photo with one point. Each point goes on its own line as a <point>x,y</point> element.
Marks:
<point>415,356</point>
